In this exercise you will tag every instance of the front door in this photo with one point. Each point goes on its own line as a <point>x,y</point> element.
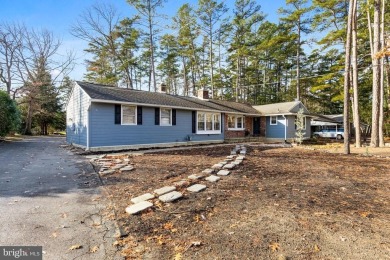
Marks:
<point>256,126</point>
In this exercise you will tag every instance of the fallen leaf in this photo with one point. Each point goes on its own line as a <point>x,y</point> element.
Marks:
<point>178,256</point>
<point>94,249</point>
<point>168,226</point>
<point>74,247</point>
<point>317,248</point>
<point>54,234</point>
<point>273,246</point>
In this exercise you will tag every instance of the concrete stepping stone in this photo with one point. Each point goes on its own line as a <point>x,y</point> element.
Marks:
<point>138,207</point>
<point>196,188</point>
<point>117,167</point>
<point>171,196</point>
<point>243,152</point>
<point>164,190</point>
<point>217,166</point>
<point>208,171</point>
<point>230,157</point>
<point>181,183</point>
<point>229,166</point>
<point>144,197</point>
<point>106,172</point>
<point>241,157</point>
<point>194,177</point>
<point>234,152</point>
<point>237,162</point>
<point>127,168</point>
<point>213,178</point>
<point>223,173</point>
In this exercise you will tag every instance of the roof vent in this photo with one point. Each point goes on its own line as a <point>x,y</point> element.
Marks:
<point>203,94</point>
<point>163,88</point>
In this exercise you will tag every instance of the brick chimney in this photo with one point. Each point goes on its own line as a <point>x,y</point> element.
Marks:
<point>162,88</point>
<point>203,94</point>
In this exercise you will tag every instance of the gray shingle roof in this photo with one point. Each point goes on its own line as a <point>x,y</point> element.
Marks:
<point>282,108</point>
<point>115,94</point>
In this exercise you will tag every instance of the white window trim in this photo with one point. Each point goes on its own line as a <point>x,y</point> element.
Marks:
<point>206,132</point>
<point>270,120</point>
<point>170,116</point>
<point>135,115</point>
<point>235,123</point>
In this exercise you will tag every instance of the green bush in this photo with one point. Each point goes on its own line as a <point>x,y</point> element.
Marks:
<point>9,114</point>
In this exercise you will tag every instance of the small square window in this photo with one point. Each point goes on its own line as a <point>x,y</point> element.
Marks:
<point>273,120</point>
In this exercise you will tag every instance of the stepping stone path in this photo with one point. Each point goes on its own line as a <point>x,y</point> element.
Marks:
<point>138,207</point>
<point>196,188</point>
<point>213,178</point>
<point>146,196</point>
<point>109,164</point>
<point>223,173</point>
<point>171,196</point>
<point>164,190</point>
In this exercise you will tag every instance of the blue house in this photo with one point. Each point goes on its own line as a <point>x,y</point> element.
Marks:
<point>101,118</point>
<point>279,120</point>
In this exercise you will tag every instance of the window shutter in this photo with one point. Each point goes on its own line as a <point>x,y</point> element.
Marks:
<point>157,116</point>
<point>194,122</point>
<point>118,114</point>
<point>173,116</point>
<point>139,115</point>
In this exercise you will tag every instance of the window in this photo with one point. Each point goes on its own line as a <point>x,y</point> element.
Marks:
<point>166,116</point>
<point>273,120</point>
<point>217,122</point>
<point>201,117</point>
<point>209,123</point>
<point>129,116</point>
<point>236,122</point>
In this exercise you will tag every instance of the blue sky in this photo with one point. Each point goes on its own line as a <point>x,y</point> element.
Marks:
<point>59,15</point>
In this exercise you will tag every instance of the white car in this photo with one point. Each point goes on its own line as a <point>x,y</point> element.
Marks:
<point>330,133</point>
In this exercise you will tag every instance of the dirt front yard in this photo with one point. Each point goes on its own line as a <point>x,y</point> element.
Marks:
<point>281,203</point>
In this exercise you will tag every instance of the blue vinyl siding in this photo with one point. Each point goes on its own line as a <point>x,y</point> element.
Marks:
<point>277,131</point>
<point>104,131</point>
<point>76,117</point>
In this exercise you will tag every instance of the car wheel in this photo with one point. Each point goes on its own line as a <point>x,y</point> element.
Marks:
<point>339,137</point>
<point>316,136</point>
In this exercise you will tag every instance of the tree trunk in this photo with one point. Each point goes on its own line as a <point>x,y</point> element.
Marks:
<point>376,76</point>
<point>347,77</point>
<point>356,114</point>
<point>27,130</point>
<point>211,65</point>
<point>382,83</point>
<point>298,60</point>
<point>151,46</point>
<point>238,78</point>
<point>185,78</point>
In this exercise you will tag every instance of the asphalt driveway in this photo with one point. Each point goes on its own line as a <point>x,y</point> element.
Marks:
<point>51,197</point>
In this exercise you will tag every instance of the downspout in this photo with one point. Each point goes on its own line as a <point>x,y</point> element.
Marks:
<point>285,128</point>
<point>88,118</point>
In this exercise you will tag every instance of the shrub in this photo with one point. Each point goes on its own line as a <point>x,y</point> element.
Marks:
<point>9,115</point>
